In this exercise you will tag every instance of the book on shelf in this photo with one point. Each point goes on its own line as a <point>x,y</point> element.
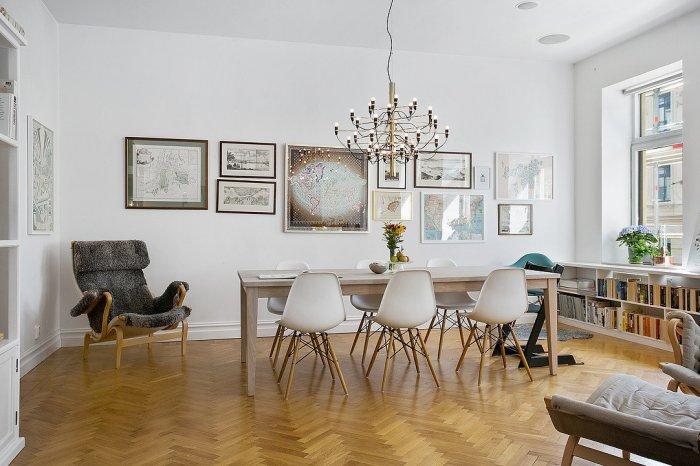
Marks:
<point>580,284</point>
<point>644,325</point>
<point>8,115</point>
<point>601,313</point>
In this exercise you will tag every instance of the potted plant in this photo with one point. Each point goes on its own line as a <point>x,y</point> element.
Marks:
<point>640,241</point>
<point>393,235</point>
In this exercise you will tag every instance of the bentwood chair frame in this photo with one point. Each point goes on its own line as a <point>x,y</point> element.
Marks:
<point>675,330</point>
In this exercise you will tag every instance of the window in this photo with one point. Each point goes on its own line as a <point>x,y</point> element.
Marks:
<point>657,153</point>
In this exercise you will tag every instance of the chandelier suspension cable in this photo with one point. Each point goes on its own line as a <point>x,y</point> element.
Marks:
<point>394,135</point>
<point>391,41</point>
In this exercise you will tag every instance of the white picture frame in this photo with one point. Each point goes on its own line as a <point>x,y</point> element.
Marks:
<point>392,206</point>
<point>469,206</point>
<point>522,176</point>
<point>363,204</point>
<point>385,183</point>
<point>41,174</point>
<point>482,178</point>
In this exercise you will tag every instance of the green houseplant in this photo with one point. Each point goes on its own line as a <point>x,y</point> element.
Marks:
<point>640,241</point>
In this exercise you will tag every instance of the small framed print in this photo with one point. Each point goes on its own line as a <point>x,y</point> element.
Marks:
<point>385,180</point>
<point>443,170</point>
<point>390,206</point>
<point>247,159</point>
<point>245,197</point>
<point>482,178</point>
<point>166,173</point>
<point>515,219</point>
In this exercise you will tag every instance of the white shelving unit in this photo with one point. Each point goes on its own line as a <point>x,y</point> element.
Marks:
<point>665,276</point>
<point>11,155</point>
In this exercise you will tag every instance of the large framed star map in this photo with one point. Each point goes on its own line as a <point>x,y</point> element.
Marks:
<point>326,190</point>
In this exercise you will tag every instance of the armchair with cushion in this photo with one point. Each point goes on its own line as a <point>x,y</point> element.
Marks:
<point>116,298</point>
<point>684,334</point>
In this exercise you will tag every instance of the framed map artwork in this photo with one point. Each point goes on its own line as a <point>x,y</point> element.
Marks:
<point>452,218</point>
<point>41,187</point>
<point>326,190</point>
<point>524,177</point>
<point>166,173</point>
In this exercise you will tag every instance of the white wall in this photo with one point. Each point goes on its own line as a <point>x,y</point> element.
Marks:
<point>116,83</point>
<point>669,43</point>
<point>39,263</point>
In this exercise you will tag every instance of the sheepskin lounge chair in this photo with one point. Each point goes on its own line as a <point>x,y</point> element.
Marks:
<point>684,335</point>
<point>117,301</point>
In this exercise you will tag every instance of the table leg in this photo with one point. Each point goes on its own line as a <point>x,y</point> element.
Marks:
<point>244,329</point>
<point>251,306</point>
<point>550,309</point>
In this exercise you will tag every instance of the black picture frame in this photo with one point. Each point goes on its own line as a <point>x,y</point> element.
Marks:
<point>274,196</point>
<point>273,162</point>
<point>418,183</point>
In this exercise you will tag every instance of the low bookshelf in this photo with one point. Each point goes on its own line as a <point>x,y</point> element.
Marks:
<point>626,301</point>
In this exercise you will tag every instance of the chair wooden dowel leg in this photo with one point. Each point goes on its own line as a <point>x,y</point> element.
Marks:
<point>290,379</point>
<point>403,344</point>
<point>389,356</point>
<point>279,346</point>
<point>502,344</point>
<point>430,327</point>
<point>442,332</point>
<point>318,350</point>
<point>359,330</point>
<point>185,332</point>
<point>286,356</point>
<point>324,342</point>
<point>461,327</point>
<point>523,359</point>
<point>376,350</point>
<point>274,341</point>
<point>484,349</point>
<point>427,357</point>
<point>368,331</point>
<point>86,346</point>
<point>334,359</point>
<point>412,342</point>
<point>466,347</point>
<point>568,456</point>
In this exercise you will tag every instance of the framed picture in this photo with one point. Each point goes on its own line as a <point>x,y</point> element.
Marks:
<point>392,205</point>
<point>443,170</point>
<point>247,159</point>
<point>386,181</point>
<point>326,190</point>
<point>482,178</point>
<point>166,173</point>
<point>245,197</point>
<point>524,177</point>
<point>514,219</point>
<point>452,218</point>
<point>41,186</point>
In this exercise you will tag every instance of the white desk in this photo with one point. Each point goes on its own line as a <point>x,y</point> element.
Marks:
<point>358,282</point>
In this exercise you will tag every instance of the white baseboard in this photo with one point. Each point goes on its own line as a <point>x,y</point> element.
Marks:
<point>11,451</point>
<point>35,355</point>
<point>213,331</point>
<point>229,330</point>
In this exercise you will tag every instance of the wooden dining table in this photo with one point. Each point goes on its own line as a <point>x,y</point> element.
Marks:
<point>365,282</point>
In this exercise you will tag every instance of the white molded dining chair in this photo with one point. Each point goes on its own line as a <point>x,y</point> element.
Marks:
<point>503,299</point>
<point>408,302</point>
<point>276,306</point>
<point>368,304</point>
<point>314,306</point>
<point>448,307</point>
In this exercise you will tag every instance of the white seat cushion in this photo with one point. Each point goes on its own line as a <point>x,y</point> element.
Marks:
<point>453,300</point>
<point>367,302</point>
<point>276,305</point>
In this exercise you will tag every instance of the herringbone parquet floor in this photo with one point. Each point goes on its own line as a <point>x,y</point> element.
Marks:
<point>160,408</point>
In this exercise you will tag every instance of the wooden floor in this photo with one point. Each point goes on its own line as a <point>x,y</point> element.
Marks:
<point>160,408</point>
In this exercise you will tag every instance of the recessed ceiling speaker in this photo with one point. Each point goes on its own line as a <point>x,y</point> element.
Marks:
<point>551,39</point>
<point>526,5</point>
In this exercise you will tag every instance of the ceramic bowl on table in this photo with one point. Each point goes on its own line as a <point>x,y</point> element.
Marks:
<point>378,267</point>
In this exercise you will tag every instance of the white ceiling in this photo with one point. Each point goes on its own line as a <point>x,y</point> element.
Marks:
<point>469,27</point>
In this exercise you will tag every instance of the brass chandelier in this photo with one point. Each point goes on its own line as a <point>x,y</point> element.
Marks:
<point>396,134</point>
